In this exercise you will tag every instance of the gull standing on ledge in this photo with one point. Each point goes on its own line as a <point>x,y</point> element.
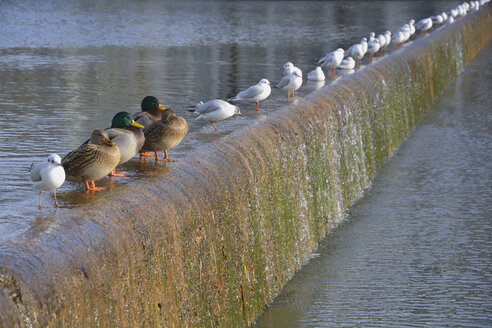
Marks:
<point>256,93</point>
<point>216,110</point>
<point>48,175</point>
<point>291,82</point>
<point>332,60</point>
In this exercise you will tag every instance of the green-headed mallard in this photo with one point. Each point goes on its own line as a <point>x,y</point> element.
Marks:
<point>127,135</point>
<point>151,111</point>
<point>164,135</point>
<point>92,161</point>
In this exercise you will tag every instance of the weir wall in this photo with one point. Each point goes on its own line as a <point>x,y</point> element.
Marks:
<point>213,239</point>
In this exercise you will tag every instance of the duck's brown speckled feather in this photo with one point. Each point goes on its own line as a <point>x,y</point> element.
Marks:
<point>160,136</point>
<point>90,162</point>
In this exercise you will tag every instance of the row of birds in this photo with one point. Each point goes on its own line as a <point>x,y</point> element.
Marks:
<point>157,128</point>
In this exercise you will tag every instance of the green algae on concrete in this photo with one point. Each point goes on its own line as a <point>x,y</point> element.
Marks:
<point>223,233</point>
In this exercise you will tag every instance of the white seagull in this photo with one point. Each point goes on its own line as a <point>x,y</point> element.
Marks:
<point>289,68</point>
<point>216,110</point>
<point>347,63</point>
<point>332,60</point>
<point>424,25</point>
<point>48,175</point>
<point>259,91</point>
<point>357,51</point>
<point>316,74</point>
<point>290,82</point>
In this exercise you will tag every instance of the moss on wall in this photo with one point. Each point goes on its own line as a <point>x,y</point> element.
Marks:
<point>220,235</point>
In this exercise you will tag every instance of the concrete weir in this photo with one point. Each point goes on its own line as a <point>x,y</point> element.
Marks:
<point>212,241</point>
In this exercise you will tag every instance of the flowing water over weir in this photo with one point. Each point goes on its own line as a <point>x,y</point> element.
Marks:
<point>230,226</point>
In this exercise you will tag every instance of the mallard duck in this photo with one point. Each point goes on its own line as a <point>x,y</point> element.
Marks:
<point>92,161</point>
<point>48,175</point>
<point>164,135</point>
<point>151,111</point>
<point>127,135</point>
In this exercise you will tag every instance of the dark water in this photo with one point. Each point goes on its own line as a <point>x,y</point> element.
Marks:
<point>416,251</point>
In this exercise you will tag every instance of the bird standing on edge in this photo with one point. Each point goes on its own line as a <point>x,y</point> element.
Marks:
<point>92,161</point>
<point>256,93</point>
<point>291,83</point>
<point>164,135</point>
<point>127,135</point>
<point>216,110</point>
<point>332,60</point>
<point>151,111</point>
<point>48,175</point>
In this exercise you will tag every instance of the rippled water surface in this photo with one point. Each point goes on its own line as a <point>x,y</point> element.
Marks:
<point>66,67</point>
<point>416,251</point>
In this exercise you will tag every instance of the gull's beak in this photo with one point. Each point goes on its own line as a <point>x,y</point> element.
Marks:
<point>162,107</point>
<point>135,124</point>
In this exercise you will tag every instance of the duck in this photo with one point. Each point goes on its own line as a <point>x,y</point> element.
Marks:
<point>48,175</point>
<point>151,111</point>
<point>127,135</point>
<point>258,92</point>
<point>164,135</point>
<point>291,83</point>
<point>216,110</point>
<point>92,161</point>
<point>316,74</point>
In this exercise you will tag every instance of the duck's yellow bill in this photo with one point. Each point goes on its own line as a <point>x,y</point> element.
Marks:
<point>135,124</point>
<point>162,107</point>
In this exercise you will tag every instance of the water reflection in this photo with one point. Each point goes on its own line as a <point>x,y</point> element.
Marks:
<point>67,68</point>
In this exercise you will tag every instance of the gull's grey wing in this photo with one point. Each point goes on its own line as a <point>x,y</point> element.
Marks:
<point>284,81</point>
<point>35,172</point>
<point>209,106</point>
<point>252,92</point>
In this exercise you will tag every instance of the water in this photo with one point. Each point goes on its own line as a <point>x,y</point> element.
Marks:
<point>416,250</point>
<point>67,67</point>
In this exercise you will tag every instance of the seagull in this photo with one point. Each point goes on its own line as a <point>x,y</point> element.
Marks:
<point>256,93</point>
<point>373,46</point>
<point>289,68</point>
<point>437,20</point>
<point>387,35</point>
<point>332,60</point>
<point>216,110</point>
<point>357,51</point>
<point>398,38</point>
<point>316,74</point>
<point>347,63</point>
<point>290,82</point>
<point>48,175</point>
<point>424,25</point>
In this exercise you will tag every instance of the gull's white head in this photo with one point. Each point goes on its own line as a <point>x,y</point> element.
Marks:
<point>264,82</point>
<point>54,160</point>
<point>287,66</point>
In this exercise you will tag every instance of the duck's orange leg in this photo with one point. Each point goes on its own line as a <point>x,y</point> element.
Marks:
<point>116,174</point>
<point>165,159</point>
<point>92,186</point>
